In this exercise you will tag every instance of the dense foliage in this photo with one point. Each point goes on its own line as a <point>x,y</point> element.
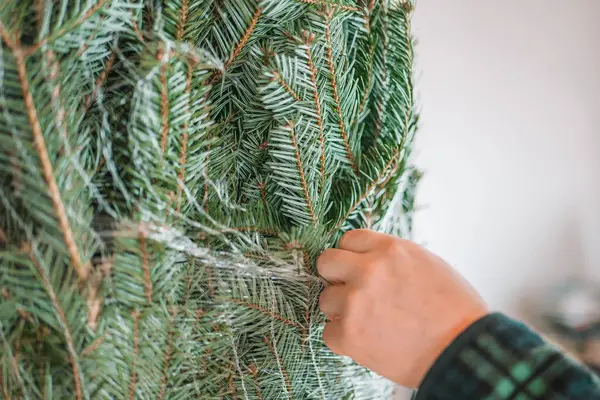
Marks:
<point>169,172</point>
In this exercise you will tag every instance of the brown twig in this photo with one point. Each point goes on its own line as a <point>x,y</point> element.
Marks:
<point>263,194</point>
<point>39,13</point>
<point>39,144</point>
<point>10,42</point>
<point>94,301</point>
<point>183,15</point>
<point>302,176</point>
<point>336,97</point>
<point>277,77</point>
<point>100,80</point>
<point>308,38</point>
<point>238,48</point>
<point>92,346</point>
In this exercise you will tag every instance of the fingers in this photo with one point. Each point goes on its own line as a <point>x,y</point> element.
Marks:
<point>337,265</point>
<point>360,240</point>
<point>332,337</point>
<point>332,301</point>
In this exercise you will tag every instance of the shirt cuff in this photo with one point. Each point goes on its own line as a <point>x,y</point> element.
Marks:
<point>452,376</point>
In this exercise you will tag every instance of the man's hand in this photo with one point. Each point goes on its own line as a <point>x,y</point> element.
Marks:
<point>393,306</point>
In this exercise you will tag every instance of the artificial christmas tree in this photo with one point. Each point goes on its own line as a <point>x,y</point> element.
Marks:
<point>169,172</point>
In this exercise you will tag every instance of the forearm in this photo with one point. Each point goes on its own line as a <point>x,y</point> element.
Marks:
<point>498,358</point>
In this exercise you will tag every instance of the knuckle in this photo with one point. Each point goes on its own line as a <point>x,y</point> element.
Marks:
<point>395,246</point>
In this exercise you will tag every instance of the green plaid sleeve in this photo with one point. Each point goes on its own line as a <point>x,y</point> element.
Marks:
<point>499,358</point>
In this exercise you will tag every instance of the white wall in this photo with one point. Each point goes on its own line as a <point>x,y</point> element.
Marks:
<point>510,141</point>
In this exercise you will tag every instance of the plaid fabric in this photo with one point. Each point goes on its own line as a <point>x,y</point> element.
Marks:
<point>498,358</point>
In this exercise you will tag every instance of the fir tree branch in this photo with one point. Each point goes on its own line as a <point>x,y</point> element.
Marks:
<point>14,363</point>
<point>254,372</point>
<point>231,390</point>
<point>62,318</point>
<point>284,84</point>
<point>39,13</point>
<point>238,48</point>
<point>101,80</point>
<point>41,371</point>
<point>263,194</point>
<point>365,97</point>
<point>380,104</point>
<point>94,301</point>
<point>136,29</point>
<point>85,45</point>
<point>4,386</point>
<point>267,312</point>
<point>183,15</point>
<point>211,286</point>
<point>40,145</point>
<point>286,377</point>
<point>329,3</point>
<point>93,10</point>
<point>314,361</point>
<point>57,103</point>
<point>264,231</point>
<point>164,103</point>
<point>136,348</point>
<point>245,38</point>
<point>336,97</point>
<point>145,266</point>
<point>308,39</point>
<point>184,140</point>
<point>300,167</point>
<point>370,188</point>
<point>92,347</point>
<point>11,43</point>
<point>167,357</point>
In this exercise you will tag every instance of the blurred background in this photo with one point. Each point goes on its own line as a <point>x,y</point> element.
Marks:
<point>510,144</point>
<point>510,141</point>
